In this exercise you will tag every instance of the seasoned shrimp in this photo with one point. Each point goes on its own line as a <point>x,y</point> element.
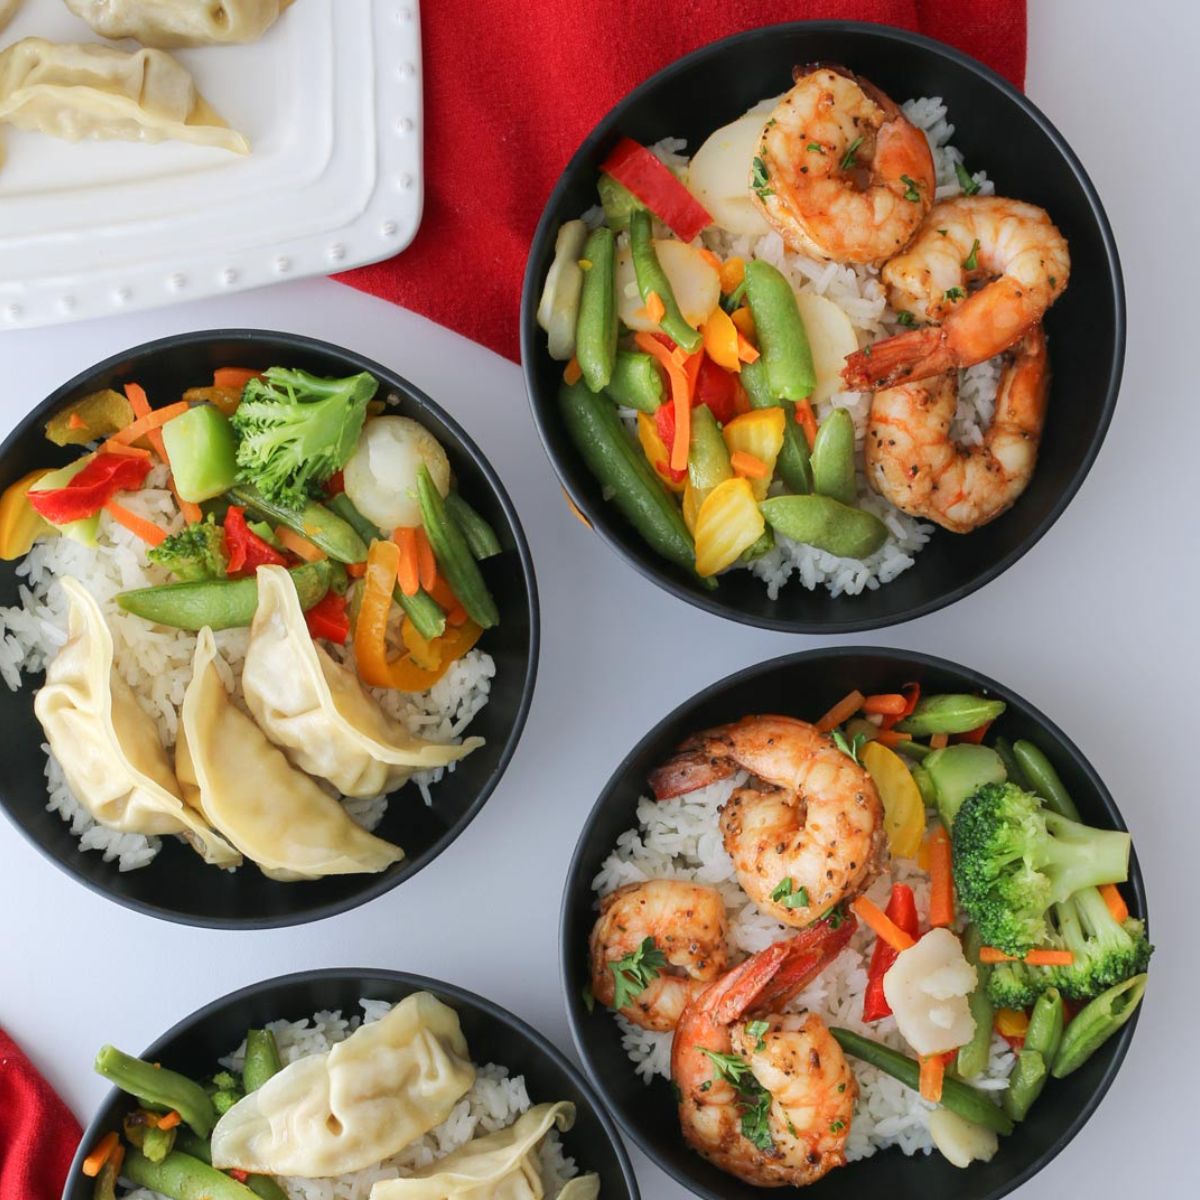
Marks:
<point>1013,249</point>
<point>770,1101</point>
<point>841,172</point>
<point>805,832</point>
<point>686,922</point>
<point>912,461</point>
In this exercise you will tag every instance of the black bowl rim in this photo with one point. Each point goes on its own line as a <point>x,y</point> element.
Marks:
<point>385,882</point>
<point>798,660</point>
<point>451,992</point>
<point>600,516</point>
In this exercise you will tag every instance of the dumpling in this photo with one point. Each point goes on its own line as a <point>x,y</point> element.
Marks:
<point>317,710</point>
<point>275,815</point>
<point>180,22</point>
<point>366,1099</point>
<point>499,1166</point>
<point>107,745</point>
<point>8,10</point>
<point>76,92</point>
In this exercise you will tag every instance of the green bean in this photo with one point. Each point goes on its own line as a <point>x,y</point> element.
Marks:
<point>324,528</point>
<point>970,1104</point>
<point>218,603</point>
<point>636,381</point>
<point>1044,779</point>
<point>262,1059</point>
<point>343,506</point>
<point>826,524</point>
<point>913,749</point>
<point>481,537</point>
<point>454,554</point>
<point>195,1147</point>
<point>781,335</point>
<point>262,1186</point>
<point>924,782</point>
<point>1012,768</point>
<point>792,465</point>
<point>1025,1083</point>
<point>157,1087</point>
<point>596,325</point>
<point>973,1056</point>
<point>652,278</point>
<point>181,1177</point>
<point>950,713</point>
<point>833,458</point>
<point>1096,1023</point>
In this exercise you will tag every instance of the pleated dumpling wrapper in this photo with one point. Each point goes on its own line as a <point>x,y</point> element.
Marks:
<point>275,815</point>
<point>498,1166</point>
<point>8,10</point>
<point>107,745</point>
<point>366,1099</point>
<point>316,708</point>
<point>180,22</point>
<point>93,91</point>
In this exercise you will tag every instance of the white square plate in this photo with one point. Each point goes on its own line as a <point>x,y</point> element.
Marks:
<point>330,100</point>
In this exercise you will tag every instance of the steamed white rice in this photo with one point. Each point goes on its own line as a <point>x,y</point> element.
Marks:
<point>157,662</point>
<point>495,1101</point>
<point>680,839</point>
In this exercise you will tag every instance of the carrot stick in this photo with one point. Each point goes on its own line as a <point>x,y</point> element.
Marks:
<point>891,737</point>
<point>136,395</point>
<point>941,881</point>
<point>146,530</point>
<point>807,421</point>
<point>356,570</point>
<point>169,1120</point>
<point>1035,958</point>
<point>408,574</point>
<point>743,318</point>
<point>101,1154</point>
<point>843,710</point>
<point>301,547</point>
<point>884,928</point>
<point>1116,902</point>
<point>151,421</point>
<point>748,466</point>
<point>572,372</point>
<point>234,378</point>
<point>128,451</point>
<point>938,741</point>
<point>890,704</point>
<point>933,1072</point>
<point>747,352</point>
<point>655,308</point>
<point>681,395</point>
<point>426,561</point>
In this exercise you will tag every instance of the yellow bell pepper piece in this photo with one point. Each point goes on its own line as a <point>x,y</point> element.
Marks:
<point>903,808</point>
<point>759,434</point>
<point>733,271</point>
<point>20,524</point>
<point>729,522</point>
<point>423,651</point>
<point>655,450</point>
<point>693,498</point>
<point>721,340</point>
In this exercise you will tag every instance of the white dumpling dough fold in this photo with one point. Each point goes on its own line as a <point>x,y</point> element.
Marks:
<point>180,22</point>
<point>8,10</point>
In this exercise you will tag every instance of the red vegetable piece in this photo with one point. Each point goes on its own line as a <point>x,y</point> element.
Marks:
<point>901,911</point>
<point>247,551</point>
<point>911,693</point>
<point>335,484</point>
<point>718,390</point>
<point>92,488</point>
<point>636,168</point>
<point>664,422</point>
<point>329,619</point>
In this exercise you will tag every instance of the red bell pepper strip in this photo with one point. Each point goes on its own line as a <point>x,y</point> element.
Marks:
<point>636,168</point>
<point>901,911</point>
<point>91,489</point>
<point>335,484</point>
<point>718,390</point>
<point>247,551</point>
<point>329,619</point>
<point>664,422</point>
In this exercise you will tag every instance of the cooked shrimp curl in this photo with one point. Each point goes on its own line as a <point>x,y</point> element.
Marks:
<point>842,173</point>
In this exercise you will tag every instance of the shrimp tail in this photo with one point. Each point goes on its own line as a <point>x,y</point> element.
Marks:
<point>694,765</point>
<point>917,354</point>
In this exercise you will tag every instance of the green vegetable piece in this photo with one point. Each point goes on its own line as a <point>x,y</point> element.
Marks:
<point>635,972</point>
<point>203,453</point>
<point>1096,1023</point>
<point>312,520</point>
<point>764,545</point>
<point>84,530</point>
<point>181,1177</point>
<point>481,537</point>
<point>1046,1024</point>
<point>636,381</point>
<point>1105,951</point>
<point>973,1056</point>
<point>708,456</point>
<point>153,1142</point>
<point>827,524</point>
<point>158,1087</point>
<point>781,335</point>
<point>105,1187</point>
<point>1025,1083</point>
<point>833,458</point>
<point>652,278</point>
<point>958,771</point>
<point>266,1188</point>
<point>793,465</point>
<point>924,784</point>
<point>912,749</point>
<point>950,713</point>
<point>618,201</point>
<point>262,1059</point>
<point>1044,780</point>
<point>1003,747</point>
<point>194,552</point>
<point>97,416</point>
<point>263,530</point>
<point>223,1100</point>
<point>596,325</point>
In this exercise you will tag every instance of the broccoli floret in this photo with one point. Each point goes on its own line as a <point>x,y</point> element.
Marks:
<point>1107,952</point>
<point>1013,860</point>
<point>1014,985</point>
<point>295,430</point>
<point>225,1090</point>
<point>195,552</point>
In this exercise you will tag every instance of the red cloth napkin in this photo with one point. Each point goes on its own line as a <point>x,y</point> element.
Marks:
<point>513,86</point>
<point>38,1133</point>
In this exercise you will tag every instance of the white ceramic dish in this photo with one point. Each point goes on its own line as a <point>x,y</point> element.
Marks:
<point>330,99</point>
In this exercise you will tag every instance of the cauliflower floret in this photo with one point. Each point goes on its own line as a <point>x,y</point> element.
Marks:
<point>927,987</point>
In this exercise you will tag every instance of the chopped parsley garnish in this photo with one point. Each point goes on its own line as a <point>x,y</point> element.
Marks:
<point>589,998</point>
<point>911,192</point>
<point>968,185</point>
<point>753,1099</point>
<point>955,293</point>
<point>789,895</point>
<point>906,318</point>
<point>972,259</point>
<point>852,747</point>
<point>841,1087</point>
<point>756,1029</point>
<point>835,916</point>
<point>759,178</point>
<point>849,159</point>
<point>634,973</point>
<point>815,147</point>
<point>837,1126</point>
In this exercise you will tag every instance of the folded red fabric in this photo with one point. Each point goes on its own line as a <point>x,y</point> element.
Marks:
<point>38,1133</point>
<point>513,86</point>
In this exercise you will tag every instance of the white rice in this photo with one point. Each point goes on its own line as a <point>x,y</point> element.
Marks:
<point>157,662</point>
<point>680,839</point>
<point>495,1101</point>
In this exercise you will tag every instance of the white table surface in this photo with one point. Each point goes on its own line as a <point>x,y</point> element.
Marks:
<point>1096,626</point>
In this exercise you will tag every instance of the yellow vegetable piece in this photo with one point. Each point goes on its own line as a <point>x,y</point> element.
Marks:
<point>656,452</point>
<point>93,418</point>
<point>20,524</point>
<point>1011,1022</point>
<point>721,340</point>
<point>225,400</point>
<point>693,498</point>
<point>903,808</point>
<point>743,318</point>
<point>423,651</point>
<point>728,524</point>
<point>733,271</point>
<point>760,434</point>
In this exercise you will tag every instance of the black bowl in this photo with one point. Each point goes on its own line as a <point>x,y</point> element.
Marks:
<point>806,685</point>
<point>493,1035</point>
<point>178,886</point>
<point>1031,160</point>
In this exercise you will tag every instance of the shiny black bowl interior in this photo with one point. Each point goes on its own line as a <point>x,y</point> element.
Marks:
<point>997,129</point>
<point>807,685</point>
<point>178,885</point>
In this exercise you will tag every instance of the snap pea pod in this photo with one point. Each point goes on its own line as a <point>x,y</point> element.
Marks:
<point>262,1059</point>
<point>912,749</point>
<point>262,1186</point>
<point>652,278</point>
<point>973,1056</point>
<point>764,545</point>
<point>1044,780</point>
<point>1042,1040</point>
<point>636,381</point>
<point>1012,768</point>
<point>156,1087</point>
<point>153,1142</point>
<point>970,1104</point>
<point>781,335</point>
<point>708,456</point>
<point>826,524</point>
<point>181,1177</point>
<point>596,325</point>
<point>1096,1023</point>
<point>792,465</point>
<point>453,554</point>
<point>833,458</point>
<point>324,528</point>
<point>950,713</point>
<point>219,603</point>
<point>924,782</point>
<point>481,537</point>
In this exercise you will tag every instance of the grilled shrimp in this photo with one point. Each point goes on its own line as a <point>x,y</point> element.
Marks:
<point>687,924</point>
<point>1013,249</point>
<point>805,832</point>
<point>841,172</point>
<point>912,461</point>
<point>769,1101</point>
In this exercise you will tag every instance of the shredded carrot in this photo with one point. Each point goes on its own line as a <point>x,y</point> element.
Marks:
<point>426,561</point>
<point>884,928</point>
<point>1011,1023</point>
<point>941,880</point>
<point>136,395</point>
<point>886,703</point>
<point>938,741</point>
<point>892,737</point>
<point>1035,958</point>
<point>169,1120</point>
<point>1116,902</point>
<point>712,260</point>
<point>95,1161</point>
<point>151,421</point>
<point>681,393</point>
<point>441,591</point>
<point>146,530</point>
<point>655,308</point>
<point>192,513</point>
<point>733,271</point>
<point>301,547</point>
<point>572,373</point>
<point>128,451</point>
<point>843,710</point>
<point>234,378</point>
<point>975,736</point>
<point>933,1072</point>
<point>75,421</point>
<point>408,573</point>
<point>748,466</point>
<point>991,956</point>
<point>806,419</point>
<point>747,351</point>
<point>356,570</point>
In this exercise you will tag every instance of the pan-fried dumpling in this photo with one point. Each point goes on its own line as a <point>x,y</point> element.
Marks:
<point>76,92</point>
<point>499,1166</point>
<point>366,1099</point>
<point>316,709</point>
<point>274,814</point>
<point>107,745</point>
<point>8,10</point>
<point>180,22</point>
